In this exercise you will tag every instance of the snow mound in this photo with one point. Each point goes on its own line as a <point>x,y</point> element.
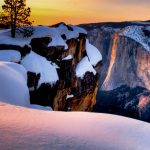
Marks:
<point>84,66</point>
<point>136,33</point>
<point>93,53</point>
<point>78,29</point>
<point>10,55</point>
<point>13,87</point>
<point>23,128</point>
<point>62,29</point>
<point>38,64</point>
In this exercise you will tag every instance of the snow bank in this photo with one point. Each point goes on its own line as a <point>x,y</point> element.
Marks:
<point>13,84</point>
<point>30,129</point>
<point>136,33</point>
<point>43,31</point>
<point>84,66</point>
<point>38,64</point>
<point>39,31</point>
<point>93,53</point>
<point>10,55</point>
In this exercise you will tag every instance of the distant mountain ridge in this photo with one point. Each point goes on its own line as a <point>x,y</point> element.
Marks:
<point>90,26</point>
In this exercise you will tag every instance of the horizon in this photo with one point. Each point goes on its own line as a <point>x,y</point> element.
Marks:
<point>87,11</point>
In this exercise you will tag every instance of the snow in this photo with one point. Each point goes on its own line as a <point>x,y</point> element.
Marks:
<point>69,96</point>
<point>136,33</point>
<point>68,57</point>
<point>62,29</point>
<point>10,55</point>
<point>39,31</point>
<point>23,128</point>
<point>38,64</point>
<point>93,53</point>
<point>84,66</point>
<point>78,29</point>
<point>13,84</point>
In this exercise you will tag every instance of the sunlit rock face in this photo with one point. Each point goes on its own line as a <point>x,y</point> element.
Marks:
<point>125,71</point>
<point>125,61</point>
<point>59,66</point>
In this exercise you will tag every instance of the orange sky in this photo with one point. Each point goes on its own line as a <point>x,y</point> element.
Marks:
<point>83,11</point>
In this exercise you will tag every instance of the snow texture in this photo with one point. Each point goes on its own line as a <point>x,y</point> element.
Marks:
<point>62,29</point>
<point>42,31</point>
<point>84,66</point>
<point>13,84</point>
<point>136,33</point>
<point>68,57</point>
<point>39,31</point>
<point>23,128</point>
<point>93,53</point>
<point>78,29</point>
<point>38,64</point>
<point>10,55</point>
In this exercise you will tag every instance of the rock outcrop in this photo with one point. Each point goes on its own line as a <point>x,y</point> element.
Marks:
<point>51,61</point>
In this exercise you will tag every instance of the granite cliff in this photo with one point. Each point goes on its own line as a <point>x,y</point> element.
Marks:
<point>61,71</point>
<point>125,70</point>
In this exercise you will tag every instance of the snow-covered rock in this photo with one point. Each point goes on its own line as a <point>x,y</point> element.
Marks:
<point>84,66</point>
<point>136,33</point>
<point>23,128</point>
<point>39,31</point>
<point>93,53</point>
<point>78,29</point>
<point>62,29</point>
<point>38,64</point>
<point>10,55</point>
<point>13,84</point>
<point>43,31</point>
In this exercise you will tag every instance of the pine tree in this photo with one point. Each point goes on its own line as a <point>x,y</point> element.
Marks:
<point>15,14</point>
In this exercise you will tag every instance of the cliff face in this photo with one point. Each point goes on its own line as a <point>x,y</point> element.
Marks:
<point>125,69</point>
<point>59,70</point>
<point>83,90</point>
<point>125,61</point>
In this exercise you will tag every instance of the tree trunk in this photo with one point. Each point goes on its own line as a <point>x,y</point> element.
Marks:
<point>13,32</point>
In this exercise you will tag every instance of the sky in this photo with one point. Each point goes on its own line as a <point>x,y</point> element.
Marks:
<point>47,12</point>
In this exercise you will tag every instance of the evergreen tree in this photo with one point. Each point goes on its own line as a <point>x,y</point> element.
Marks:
<point>15,14</point>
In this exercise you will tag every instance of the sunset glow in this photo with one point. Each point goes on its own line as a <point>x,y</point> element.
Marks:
<point>86,11</point>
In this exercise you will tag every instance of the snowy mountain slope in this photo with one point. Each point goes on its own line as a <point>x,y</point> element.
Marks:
<point>23,128</point>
